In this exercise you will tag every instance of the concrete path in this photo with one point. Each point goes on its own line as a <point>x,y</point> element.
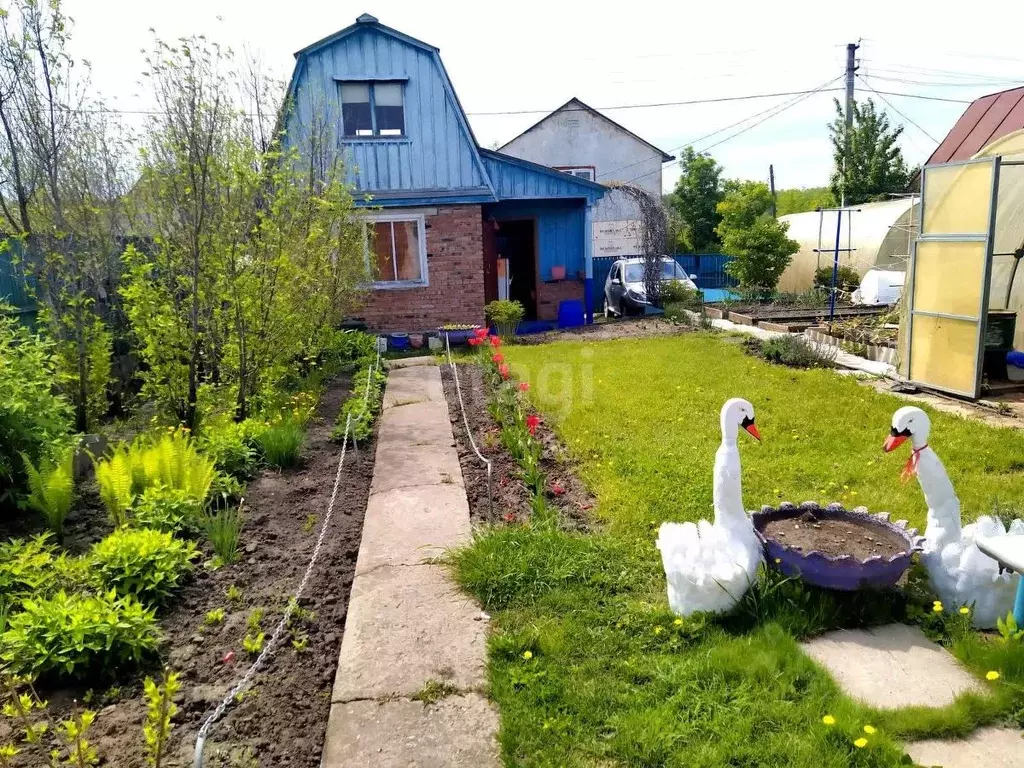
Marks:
<point>409,628</point>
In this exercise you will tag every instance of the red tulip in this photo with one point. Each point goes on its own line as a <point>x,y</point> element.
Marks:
<point>497,358</point>
<point>504,371</point>
<point>480,333</point>
<point>524,386</point>
<point>473,341</point>
<point>495,341</point>
<point>532,422</point>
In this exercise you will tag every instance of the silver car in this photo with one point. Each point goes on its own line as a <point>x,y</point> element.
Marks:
<point>624,292</point>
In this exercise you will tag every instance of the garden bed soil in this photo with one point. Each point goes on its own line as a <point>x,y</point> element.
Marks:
<point>511,502</point>
<point>282,719</point>
<point>607,330</point>
<point>810,533</point>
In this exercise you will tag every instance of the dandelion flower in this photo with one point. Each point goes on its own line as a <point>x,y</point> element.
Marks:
<point>860,743</point>
<point>965,610</point>
<point>828,720</point>
<point>869,730</point>
<point>678,622</point>
<point>778,560</point>
<point>937,606</point>
<point>992,675</point>
<point>658,630</point>
<point>527,655</point>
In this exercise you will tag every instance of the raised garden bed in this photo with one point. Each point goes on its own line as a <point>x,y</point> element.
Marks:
<point>782,314</point>
<point>878,351</point>
<point>511,501</point>
<point>282,719</point>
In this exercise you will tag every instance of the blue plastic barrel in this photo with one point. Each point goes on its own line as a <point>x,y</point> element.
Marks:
<point>570,313</point>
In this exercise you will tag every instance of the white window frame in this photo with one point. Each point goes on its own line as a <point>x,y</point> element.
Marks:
<point>571,170</point>
<point>421,229</point>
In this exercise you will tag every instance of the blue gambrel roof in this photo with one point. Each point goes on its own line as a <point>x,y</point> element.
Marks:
<point>439,160</point>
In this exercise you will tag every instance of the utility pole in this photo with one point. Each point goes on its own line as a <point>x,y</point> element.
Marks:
<point>771,186</point>
<point>851,68</point>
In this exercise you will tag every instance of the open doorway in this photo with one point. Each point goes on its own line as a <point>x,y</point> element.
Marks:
<point>517,242</point>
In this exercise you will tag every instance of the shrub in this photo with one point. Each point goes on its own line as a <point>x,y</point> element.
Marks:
<point>281,442</point>
<point>222,529</point>
<point>26,569</point>
<point>505,316</point>
<point>676,292</point>
<point>51,488</point>
<point>847,280</point>
<point>338,347</point>
<point>146,564</point>
<point>231,445</point>
<point>78,635</point>
<point>794,351</point>
<point>33,420</point>
<point>167,509</point>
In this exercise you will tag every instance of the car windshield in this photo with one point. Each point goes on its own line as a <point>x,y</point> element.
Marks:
<point>669,271</point>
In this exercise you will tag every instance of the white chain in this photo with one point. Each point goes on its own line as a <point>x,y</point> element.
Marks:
<point>242,684</point>
<point>469,432</point>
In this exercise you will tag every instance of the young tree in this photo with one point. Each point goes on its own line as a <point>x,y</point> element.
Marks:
<point>252,254</point>
<point>61,193</point>
<point>803,199</point>
<point>868,160</point>
<point>757,242</point>
<point>695,201</point>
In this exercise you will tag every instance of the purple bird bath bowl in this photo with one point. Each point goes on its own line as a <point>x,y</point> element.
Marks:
<point>835,570</point>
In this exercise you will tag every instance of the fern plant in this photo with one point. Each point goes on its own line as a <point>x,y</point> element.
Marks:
<point>51,489</point>
<point>115,480</point>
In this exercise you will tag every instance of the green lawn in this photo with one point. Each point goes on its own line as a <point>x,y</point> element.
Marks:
<point>589,667</point>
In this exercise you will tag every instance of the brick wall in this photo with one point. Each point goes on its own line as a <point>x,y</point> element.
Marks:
<point>551,293</point>
<point>455,293</point>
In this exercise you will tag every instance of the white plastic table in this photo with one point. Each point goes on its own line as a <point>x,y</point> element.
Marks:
<point>1008,551</point>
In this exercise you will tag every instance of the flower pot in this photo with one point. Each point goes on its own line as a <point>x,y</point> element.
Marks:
<point>416,340</point>
<point>455,337</point>
<point>558,273</point>
<point>399,340</point>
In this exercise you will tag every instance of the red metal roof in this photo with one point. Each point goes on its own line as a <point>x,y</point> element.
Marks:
<point>985,120</point>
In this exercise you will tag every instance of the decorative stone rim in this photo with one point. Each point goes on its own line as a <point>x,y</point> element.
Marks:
<point>857,515</point>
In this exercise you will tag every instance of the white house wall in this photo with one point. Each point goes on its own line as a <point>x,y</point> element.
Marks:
<point>577,137</point>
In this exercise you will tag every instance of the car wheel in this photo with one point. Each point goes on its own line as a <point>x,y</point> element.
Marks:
<point>623,308</point>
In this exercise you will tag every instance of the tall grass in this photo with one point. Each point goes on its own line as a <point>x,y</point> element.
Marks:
<point>223,528</point>
<point>51,489</point>
<point>281,443</point>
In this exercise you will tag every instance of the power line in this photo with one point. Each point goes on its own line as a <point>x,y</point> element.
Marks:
<point>776,111</point>
<point>907,69</point>
<point>933,84</point>
<point>724,128</point>
<point>719,100</point>
<point>894,109</point>
<point>926,98</point>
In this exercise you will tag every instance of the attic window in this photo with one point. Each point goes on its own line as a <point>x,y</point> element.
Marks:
<point>579,171</point>
<point>372,109</point>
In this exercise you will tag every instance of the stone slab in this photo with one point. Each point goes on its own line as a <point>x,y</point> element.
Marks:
<point>406,526</point>
<point>988,747</point>
<point>399,466</point>
<point>407,625</point>
<point>409,362</point>
<point>424,423</point>
<point>455,732</point>
<point>413,385</point>
<point>891,667</point>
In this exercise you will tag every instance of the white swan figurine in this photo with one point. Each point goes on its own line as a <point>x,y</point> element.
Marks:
<point>709,567</point>
<point>959,572</point>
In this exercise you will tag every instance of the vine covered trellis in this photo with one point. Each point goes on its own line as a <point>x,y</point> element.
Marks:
<point>653,237</point>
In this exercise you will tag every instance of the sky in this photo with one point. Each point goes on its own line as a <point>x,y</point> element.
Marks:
<point>528,57</point>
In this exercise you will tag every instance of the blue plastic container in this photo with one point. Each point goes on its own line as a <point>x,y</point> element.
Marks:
<point>570,313</point>
<point>399,340</point>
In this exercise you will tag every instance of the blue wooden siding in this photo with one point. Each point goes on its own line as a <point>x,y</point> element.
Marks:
<point>516,179</point>
<point>438,151</point>
<point>560,228</point>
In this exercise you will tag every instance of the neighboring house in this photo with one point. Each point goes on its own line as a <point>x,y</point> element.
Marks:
<point>452,221</point>
<point>580,141</point>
